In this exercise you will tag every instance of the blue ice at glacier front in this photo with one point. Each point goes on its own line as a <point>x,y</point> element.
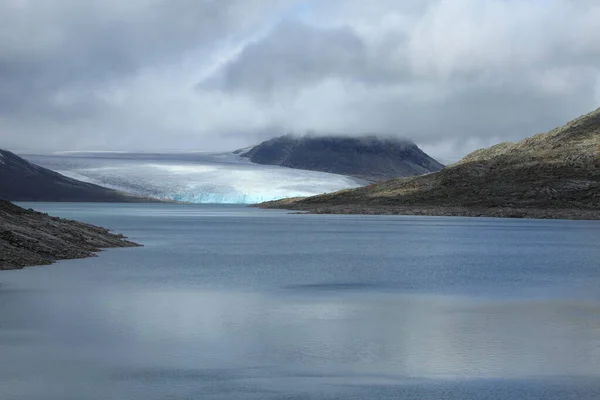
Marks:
<point>194,177</point>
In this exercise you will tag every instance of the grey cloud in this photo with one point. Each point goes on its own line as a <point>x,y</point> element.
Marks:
<point>207,74</point>
<point>50,48</point>
<point>295,54</point>
<point>465,69</point>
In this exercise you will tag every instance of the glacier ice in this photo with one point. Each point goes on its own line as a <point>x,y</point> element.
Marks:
<point>194,177</point>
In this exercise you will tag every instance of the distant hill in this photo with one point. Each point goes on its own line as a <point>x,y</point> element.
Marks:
<point>551,175</point>
<point>21,180</point>
<point>369,157</point>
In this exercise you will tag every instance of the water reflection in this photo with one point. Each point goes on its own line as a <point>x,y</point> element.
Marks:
<point>307,307</point>
<point>410,336</point>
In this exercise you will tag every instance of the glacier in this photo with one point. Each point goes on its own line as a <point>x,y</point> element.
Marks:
<point>193,177</point>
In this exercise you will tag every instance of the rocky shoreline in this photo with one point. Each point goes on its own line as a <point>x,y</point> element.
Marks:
<point>493,212</point>
<point>29,238</point>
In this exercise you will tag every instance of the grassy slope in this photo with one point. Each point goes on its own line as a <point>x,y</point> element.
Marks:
<point>556,170</point>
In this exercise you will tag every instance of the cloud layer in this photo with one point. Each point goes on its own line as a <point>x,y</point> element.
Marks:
<point>453,75</point>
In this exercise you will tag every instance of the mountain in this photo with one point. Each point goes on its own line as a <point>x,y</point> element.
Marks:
<point>368,158</point>
<point>21,180</point>
<point>551,175</point>
<point>29,238</point>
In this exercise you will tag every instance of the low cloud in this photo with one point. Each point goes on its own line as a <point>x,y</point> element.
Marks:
<point>452,75</point>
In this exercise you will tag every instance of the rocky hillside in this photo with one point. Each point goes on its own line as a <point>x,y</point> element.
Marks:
<point>551,175</point>
<point>369,158</point>
<point>21,180</point>
<point>29,238</point>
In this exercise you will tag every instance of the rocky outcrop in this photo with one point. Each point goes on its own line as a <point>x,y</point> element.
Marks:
<point>370,158</point>
<point>30,238</point>
<point>21,180</point>
<point>551,175</point>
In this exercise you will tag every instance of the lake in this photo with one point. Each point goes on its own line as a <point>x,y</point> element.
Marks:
<point>230,302</point>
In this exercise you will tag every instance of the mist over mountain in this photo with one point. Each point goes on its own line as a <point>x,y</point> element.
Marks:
<point>367,157</point>
<point>550,175</point>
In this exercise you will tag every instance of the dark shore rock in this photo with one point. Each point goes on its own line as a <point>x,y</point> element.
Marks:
<point>30,238</point>
<point>492,212</point>
<point>369,157</point>
<point>551,175</point>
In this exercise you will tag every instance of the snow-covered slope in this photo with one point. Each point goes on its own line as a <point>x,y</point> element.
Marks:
<point>194,177</point>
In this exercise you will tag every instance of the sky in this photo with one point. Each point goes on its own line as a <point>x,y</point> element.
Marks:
<point>210,75</point>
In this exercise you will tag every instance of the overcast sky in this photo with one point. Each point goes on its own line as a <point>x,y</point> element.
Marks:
<point>169,75</point>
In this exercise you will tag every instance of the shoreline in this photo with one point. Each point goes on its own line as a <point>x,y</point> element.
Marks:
<point>30,238</point>
<point>440,211</point>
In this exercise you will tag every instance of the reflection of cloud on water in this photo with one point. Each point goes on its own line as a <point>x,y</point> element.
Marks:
<point>404,336</point>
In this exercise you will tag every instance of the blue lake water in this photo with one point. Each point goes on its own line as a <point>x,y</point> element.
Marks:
<point>229,302</point>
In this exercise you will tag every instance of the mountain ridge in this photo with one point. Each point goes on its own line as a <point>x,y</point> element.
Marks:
<point>21,180</point>
<point>550,175</point>
<point>368,157</point>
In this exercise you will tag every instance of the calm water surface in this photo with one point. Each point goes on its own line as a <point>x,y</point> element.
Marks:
<point>239,303</point>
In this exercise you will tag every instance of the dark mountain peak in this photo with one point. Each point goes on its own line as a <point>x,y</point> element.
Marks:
<point>366,143</point>
<point>11,161</point>
<point>21,180</point>
<point>369,157</point>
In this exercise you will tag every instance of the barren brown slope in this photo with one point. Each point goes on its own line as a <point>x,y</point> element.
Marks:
<point>551,175</point>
